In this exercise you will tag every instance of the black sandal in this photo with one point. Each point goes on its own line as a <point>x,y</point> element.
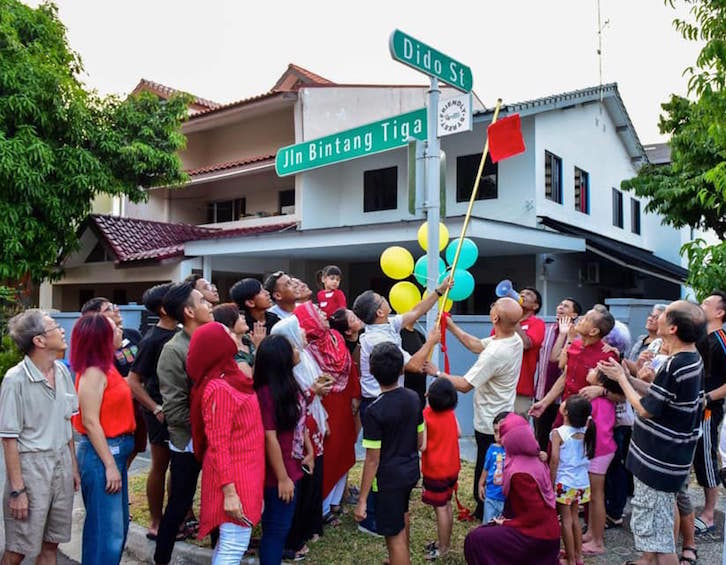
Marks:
<point>689,560</point>
<point>612,524</point>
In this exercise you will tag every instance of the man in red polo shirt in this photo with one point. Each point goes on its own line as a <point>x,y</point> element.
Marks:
<point>531,329</point>
<point>581,355</point>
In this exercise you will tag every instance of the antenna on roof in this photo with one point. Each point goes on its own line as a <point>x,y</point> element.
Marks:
<point>600,28</point>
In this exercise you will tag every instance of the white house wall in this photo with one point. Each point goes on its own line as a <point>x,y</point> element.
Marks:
<point>585,137</point>
<point>515,190</point>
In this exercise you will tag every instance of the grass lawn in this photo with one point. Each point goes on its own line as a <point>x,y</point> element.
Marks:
<point>345,544</point>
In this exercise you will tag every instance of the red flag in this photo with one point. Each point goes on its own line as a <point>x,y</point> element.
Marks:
<point>505,138</point>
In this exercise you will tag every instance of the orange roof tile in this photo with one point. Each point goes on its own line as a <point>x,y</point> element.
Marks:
<point>167,91</point>
<point>229,164</point>
<point>133,239</point>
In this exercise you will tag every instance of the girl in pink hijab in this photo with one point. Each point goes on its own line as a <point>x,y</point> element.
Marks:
<point>529,531</point>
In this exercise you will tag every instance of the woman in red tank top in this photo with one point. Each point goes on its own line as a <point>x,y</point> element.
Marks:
<point>106,421</point>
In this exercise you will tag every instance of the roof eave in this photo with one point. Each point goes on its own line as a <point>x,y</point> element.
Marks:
<point>213,118</point>
<point>608,93</point>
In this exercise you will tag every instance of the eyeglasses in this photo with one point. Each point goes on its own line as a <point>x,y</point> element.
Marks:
<point>109,308</point>
<point>49,330</point>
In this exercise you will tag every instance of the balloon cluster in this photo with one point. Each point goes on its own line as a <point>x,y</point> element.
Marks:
<point>397,263</point>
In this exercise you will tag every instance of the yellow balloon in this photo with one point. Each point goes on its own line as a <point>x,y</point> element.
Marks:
<point>423,236</point>
<point>397,262</point>
<point>404,296</point>
<point>449,302</point>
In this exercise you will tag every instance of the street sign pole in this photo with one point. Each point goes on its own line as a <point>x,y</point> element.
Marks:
<point>432,202</point>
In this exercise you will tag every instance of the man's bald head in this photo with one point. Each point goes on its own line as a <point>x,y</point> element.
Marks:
<point>506,313</point>
<point>687,320</point>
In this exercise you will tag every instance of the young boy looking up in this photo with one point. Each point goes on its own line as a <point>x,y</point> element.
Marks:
<point>393,434</point>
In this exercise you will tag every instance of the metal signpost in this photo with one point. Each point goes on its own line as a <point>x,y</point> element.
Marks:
<point>437,66</point>
<point>398,131</point>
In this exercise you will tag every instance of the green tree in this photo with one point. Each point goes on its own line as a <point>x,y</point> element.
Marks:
<point>62,144</point>
<point>691,190</point>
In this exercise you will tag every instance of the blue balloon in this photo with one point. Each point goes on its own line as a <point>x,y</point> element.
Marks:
<point>463,284</point>
<point>467,257</point>
<point>420,269</point>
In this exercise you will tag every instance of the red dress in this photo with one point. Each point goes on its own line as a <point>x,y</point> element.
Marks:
<point>531,535</point>
<point>331,300</point>
<point>339,454</point>
<point>235,453</point>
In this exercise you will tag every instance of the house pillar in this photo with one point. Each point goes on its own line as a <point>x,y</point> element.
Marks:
<point>207,268</point>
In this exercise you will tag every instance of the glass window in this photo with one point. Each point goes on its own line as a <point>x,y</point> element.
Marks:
<point>380,189</point>
<point>617,208</point>
<point>635,216</point>
<point>582,191</point>
<point>467,166</point>
<point>553,177</point>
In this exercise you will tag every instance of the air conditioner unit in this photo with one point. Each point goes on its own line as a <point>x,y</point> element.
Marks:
<point>590,274</point>
<point>288,209</point>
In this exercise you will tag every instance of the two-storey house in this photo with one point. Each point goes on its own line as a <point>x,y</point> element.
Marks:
<point>553,217</point>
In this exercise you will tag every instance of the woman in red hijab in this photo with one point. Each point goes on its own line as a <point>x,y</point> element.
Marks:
<point>328,348</point>
<point>529,532</point>
<point>229,438</point>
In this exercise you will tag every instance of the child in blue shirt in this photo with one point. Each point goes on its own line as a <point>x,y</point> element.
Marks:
<point>490,483</point>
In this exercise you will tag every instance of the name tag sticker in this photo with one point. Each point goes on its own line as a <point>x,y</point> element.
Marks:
<point>115,450</point>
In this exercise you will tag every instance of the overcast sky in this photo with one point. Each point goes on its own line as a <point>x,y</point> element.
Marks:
<point>227,50</point>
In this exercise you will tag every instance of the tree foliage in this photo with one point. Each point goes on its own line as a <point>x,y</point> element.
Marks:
<point>62,144</point>
<point>691,190</point>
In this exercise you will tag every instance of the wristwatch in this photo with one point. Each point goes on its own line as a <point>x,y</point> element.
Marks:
<point>17,493</point>
<point>439,292</point>
<point>158,409</point>
<point>438,373</point>
<point>708,397</point>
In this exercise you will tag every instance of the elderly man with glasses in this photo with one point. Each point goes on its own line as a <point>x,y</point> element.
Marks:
<point>37,400</point>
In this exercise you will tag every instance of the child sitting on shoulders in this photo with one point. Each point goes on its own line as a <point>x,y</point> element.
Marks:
<point>440,462</point>
<point>490,482</point>
<point>573,445</point>
<point>331,298</point>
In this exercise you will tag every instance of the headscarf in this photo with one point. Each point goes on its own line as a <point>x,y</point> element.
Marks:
<point>326,345</point>
<point>211,356</point>
<point>522,456</point>
<point>306,371</point>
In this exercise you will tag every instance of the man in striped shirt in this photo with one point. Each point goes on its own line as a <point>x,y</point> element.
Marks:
<point>668,416</point>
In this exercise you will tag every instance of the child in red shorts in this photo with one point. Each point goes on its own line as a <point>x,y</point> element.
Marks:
<point>440,461</point>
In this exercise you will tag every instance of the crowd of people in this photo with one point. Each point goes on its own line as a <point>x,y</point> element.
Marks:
<point>266,395</point>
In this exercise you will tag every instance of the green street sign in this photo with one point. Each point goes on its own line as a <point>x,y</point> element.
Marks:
<point>421,57</point>
<point>368,139</point>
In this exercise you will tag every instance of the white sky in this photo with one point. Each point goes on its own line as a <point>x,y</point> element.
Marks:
<point>517,49</point>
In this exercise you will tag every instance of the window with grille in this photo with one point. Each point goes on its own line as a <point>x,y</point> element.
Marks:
<point>582,191</point>
<point>553,177</point>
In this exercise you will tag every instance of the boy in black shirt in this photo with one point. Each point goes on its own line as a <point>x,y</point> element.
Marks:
<point>393,435</point>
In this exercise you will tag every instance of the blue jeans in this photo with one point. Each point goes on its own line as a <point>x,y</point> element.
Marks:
<point>107,515</point>
<point>492,509</point>
<point>276,524</point>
